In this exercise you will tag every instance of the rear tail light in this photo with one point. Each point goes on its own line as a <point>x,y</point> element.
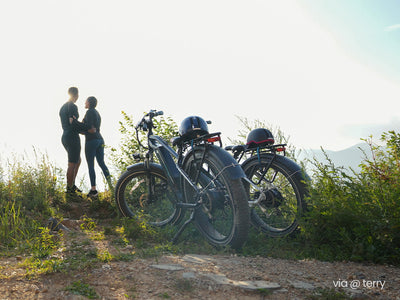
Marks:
<point>214,139</point>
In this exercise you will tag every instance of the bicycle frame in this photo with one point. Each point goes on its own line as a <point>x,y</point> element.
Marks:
<point>165,154</point>
<point>241,150</point>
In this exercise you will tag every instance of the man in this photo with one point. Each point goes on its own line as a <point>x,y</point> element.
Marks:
<point>71,140</point>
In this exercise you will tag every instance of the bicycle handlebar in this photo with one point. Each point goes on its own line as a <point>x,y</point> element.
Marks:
<point>153,113</point>
<point>146,124</point>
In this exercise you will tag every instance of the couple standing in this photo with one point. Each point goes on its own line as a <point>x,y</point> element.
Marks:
<point>94,145</point>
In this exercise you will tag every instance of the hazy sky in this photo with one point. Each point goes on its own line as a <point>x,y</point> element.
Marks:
<point>326,72</point>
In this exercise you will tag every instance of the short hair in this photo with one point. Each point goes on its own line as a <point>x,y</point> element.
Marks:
<point>73,91</point>
<point>92,102</point>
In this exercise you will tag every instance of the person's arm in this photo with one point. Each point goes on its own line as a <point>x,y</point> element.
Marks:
<point>89,122</point>
<point>79,126</point>
<point>73,116</point>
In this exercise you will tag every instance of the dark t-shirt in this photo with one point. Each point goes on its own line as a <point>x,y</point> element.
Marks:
<point>92,119</point>
<point>67,111</point>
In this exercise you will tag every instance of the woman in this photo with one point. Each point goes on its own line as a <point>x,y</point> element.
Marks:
<point>94,145</point>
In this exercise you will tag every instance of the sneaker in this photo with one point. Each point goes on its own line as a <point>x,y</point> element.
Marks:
<point>93,193</point>
<point>76,189</point>
<point>72,195</point>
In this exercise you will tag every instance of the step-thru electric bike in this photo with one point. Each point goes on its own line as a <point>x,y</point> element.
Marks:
<point>200,177</point>
<point>277,185</point>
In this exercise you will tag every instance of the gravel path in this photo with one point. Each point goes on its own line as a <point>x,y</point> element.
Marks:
<point>209,277</point>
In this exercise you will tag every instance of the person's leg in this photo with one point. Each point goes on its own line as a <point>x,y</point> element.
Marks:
<point>75,159</point>
<point>70,175</point>
<point>76,168</point>
<point>100,159</point>
<point>101,163</point>
<point>73,147</point>
<point>90,152</point>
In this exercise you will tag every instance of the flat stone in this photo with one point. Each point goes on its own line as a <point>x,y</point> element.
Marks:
<point>189,275</point>
<point>256,285</point>
<point>247,285</point>
<point>220,279</point>
<point>198,259</point>
<point>168,267</point>
<point>302,285</point>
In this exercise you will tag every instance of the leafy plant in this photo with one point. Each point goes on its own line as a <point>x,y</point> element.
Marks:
<point>123,156</point>
<point>357,215</point>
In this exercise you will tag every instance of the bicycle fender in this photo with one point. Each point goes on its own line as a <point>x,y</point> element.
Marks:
<point>283,160</point>
<point>142,165</point>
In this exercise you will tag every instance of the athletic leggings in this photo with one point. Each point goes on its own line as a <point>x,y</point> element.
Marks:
<point>95,148</point>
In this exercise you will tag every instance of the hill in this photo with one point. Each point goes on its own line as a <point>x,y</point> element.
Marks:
<point>349,158</point>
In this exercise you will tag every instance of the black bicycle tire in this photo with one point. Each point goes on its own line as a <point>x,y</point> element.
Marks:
<point>237,193</point>
<point>133,172</point>
<point>297,179</point>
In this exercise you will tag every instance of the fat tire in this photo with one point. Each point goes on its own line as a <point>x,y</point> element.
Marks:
<point>235,193</point>
<point>296,190</point>
<point>137,204</point>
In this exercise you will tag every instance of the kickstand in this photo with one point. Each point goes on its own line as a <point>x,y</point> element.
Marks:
<point>191,218</point>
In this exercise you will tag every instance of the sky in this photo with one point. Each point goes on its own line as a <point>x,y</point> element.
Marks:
<point>325,72</point>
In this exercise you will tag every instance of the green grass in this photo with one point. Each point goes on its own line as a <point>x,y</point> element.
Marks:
<point>80,288</point>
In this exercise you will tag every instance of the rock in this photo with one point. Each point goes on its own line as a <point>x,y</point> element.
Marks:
<point>189,275</point>
<point>74,224</point>
<point>197,259</point>
<point>256,285</point>
<point>247,285</point>
<point>54,225</point>
<point>360,275</point>
<point>171,267</point>
<point>360,296</point>
<point>302,285</point>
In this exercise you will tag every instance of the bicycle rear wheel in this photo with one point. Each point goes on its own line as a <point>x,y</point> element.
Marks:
<point>283,184</point>
<point>223,215</point>
<point>142,190</point>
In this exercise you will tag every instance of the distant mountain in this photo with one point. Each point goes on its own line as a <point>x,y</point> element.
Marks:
<point>348,158</point>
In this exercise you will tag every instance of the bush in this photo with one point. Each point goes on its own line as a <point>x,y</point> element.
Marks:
<point>26,193</point>
<point>357,216</point>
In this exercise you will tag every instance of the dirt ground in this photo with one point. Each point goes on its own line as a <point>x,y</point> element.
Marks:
<point>194,276</point>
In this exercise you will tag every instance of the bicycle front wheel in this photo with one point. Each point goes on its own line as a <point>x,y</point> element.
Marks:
<point>282,183</point>
<point>145,191</point>
<point>222,216</point>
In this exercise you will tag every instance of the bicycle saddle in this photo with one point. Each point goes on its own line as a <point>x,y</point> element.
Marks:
<point>176,141</point>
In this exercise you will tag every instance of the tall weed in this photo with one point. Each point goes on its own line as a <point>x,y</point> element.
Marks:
<point>14,226</point>
<point>28,187</point>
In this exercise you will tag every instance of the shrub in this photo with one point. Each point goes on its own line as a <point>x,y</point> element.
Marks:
<point>357,215</point>
<point>26,193</point>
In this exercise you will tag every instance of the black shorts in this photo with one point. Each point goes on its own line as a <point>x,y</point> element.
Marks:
<point>72,143</point>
